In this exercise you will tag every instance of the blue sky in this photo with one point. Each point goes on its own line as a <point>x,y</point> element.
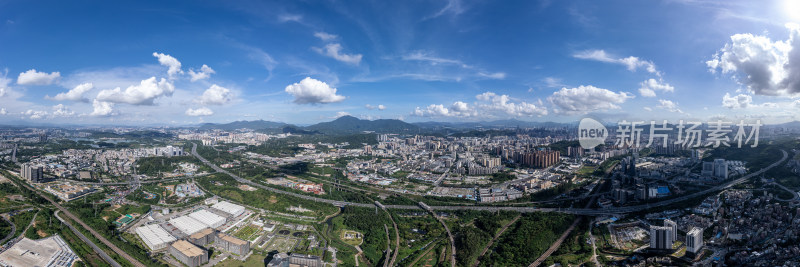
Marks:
<point>142,62</point>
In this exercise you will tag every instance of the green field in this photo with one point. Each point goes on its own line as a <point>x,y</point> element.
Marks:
<point>247,232</point>
<point>352,241</point>
<point>254,260</point>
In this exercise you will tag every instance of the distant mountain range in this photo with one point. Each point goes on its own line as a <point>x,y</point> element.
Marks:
<point>492,124</point>
<point>341,125</point>
<point>255,125</point>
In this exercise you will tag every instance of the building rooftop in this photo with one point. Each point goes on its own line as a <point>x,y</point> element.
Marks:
<point>187,248</point>
<point>232,240</point>
<point>202,233</point>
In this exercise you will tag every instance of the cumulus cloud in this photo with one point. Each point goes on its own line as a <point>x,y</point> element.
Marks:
<point>33,77</point>
<point>765,67</point>
<point>649,87</point>
<point>4,81</point>
<point>502,103</point>
<point>142,94</point>
<point>216,95</point>
<point>311,91</point>
<point>379,107</point>
<point>631,63</point>
<point>35,114</point>
<point>737,101</point>
<point>102,108</point>
<point>62,111</point>
<point>75,94</point>
<point>669,105</point>
<point>203,111</point>
<point>324,36</point>
<point>204,73</point>
<point>335,51</point>
<point>585,99</point>
<point>457,109</point>
<point>172,63</point>
<point>3,111</point>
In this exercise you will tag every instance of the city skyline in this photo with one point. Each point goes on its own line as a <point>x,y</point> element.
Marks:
<point>451,61</point>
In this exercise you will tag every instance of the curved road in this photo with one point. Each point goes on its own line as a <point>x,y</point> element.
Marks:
<point>576,211</point>
<point>13,230</point>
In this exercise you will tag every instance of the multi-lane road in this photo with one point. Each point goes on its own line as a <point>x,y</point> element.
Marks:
<point>576,211</point>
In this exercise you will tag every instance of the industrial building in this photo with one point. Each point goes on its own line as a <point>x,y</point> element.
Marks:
<point>203,237</point>
<point>210,219</point>
<point>155,237</point>
<point>296,259</point>
<point>229,208</point>
<point>188,254</point>
<point>51,251</point>
<point>694,240</point>
<point>188,225</point>
<point>232,244</point>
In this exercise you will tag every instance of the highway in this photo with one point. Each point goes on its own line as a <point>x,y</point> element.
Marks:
<point>576,211</point>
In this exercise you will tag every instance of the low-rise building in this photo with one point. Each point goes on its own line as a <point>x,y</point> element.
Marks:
<point>188,254</point>
<point>232,244</point>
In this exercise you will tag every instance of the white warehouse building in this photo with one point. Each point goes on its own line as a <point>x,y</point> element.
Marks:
<point>208,218</point>
<point>188,225</point>
<point>154,236</point>
<point>229,208</point>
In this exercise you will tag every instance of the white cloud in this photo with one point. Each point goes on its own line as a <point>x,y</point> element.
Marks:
<point>649,87</point>
<point>216,95</point>
<point>379,107</point>
<point>171,62</point>
<point>142,94</point>
<point>631,63</point>
<point>204,73</point>
<point>4,81</point>
<point>669,105</point>
<point>203,111</point>
<point>552,82</point>
<point>457,109</point>
<point>102,108</point>
<point>33,77</point>
<point>584,99</point>
<point>62,111</point>
<point>453,7</point>
<point>766,67</point>
<point>503,104</point>
<point>736,102</point>
<point>335,51</point>
<point>341,114</point>
<point>311,91</point>
<point>647,92</point>
<point>290,17</point>
<point>433,60</point>
<point>648,108</point>
<point>75,94</point>
<point>324,36</point>
<point>35,114</point>
<point>495,75</point>
<point>3,111</point>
